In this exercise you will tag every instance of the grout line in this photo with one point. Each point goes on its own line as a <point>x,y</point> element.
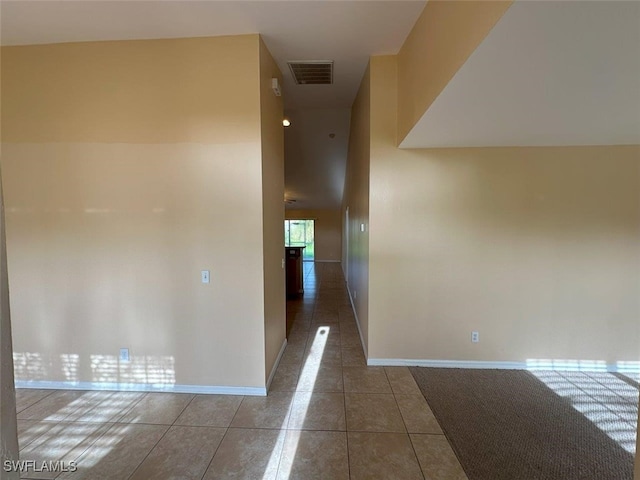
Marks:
<point>416,456</point>
<point>37,401</point>
<point>346,427</point>
<point>214,454</point>
<point>161,437</point>
<point>126,411</point>
<point>222,439</point>
<point>150,450</point>
<point>91,444</point>
<point>404,422</point>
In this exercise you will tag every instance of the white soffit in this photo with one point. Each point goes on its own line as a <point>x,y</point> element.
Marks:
<point>548,74</point>
<point>345,32</point>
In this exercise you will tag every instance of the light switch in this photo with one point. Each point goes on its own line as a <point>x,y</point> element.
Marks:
<point>204,274</point>
<point>362,227</point>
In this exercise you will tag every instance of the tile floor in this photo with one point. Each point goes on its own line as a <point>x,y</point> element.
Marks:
<point>327,416</point>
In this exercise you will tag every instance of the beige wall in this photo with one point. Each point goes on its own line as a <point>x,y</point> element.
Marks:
<point>535,248</point>
<point>444,36</point>
<point>637,467</point>
<point>356,199</point>
<point>8,423</point>
<point>122,161</point>
<point>271,114</point>
<point>327,234</point>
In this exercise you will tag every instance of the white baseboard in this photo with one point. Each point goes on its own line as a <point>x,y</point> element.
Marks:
<point>355,314</point>
<point>402,362</point>
<point>276,363</point>
<point>143,387</point>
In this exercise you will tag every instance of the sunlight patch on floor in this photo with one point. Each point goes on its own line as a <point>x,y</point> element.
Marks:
<point>607,401</point>
<point>309,370</point>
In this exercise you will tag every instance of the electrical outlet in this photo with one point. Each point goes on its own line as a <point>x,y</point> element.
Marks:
<point>204,275</point>
<point>475,337</point>
<point>283,263</point>
<point>124,354</point>
<point>355,294</point>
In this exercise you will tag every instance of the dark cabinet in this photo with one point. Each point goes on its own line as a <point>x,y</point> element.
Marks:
<point>294,271</point>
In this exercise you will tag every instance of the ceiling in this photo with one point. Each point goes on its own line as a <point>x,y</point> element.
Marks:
<point>315,162</point>
<point>549,73</point>
<point>346,32</point>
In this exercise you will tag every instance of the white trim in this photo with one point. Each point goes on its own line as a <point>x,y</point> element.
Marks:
<point>327,261</point>
<point>276,363</point>
<point>404,362</point>
<point>143,387</point>
<point>355,314</point>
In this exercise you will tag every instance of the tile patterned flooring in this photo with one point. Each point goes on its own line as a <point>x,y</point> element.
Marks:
<point>327,416</point>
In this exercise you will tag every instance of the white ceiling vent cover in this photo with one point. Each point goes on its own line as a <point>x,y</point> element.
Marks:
<point>315,72</point>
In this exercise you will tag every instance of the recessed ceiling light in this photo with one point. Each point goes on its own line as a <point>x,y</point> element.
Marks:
<point>286,123</point>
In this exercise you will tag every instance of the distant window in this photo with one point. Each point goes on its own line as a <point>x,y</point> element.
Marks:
<point>301,233</point>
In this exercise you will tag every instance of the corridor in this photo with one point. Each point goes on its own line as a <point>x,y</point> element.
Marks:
<point>327,416</point>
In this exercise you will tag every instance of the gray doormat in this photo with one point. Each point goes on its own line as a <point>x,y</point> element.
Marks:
<point>508,425</point>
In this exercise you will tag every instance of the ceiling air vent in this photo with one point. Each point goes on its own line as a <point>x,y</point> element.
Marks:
<point>318,72</point>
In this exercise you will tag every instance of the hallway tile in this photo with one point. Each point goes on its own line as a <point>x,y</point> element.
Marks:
<point>183,452</point>
<point>247,454</point>
<point>328,334</point>
<point>87,403</point>
<point>325,317</point>
<point>417,416</point>
<point>437,460</point>
<point>365,380</point>
<point>301,327</point>
<point>210,411</point>
<point>55,407</point>
<point>376,412</point>
<point>320,379</point>
<point>297,338</point>
<point>374,456</point>
<point>314,455</point>
<point>346,315</point>
<point>158,408</point>
<point>271,411</point>
<point>293,354</point>
<point>353,357</point>
<point>64,442</point>
<point>29,430</point>
<point>327,355</point>
<point>285,378</point>
<point>113,408</point>
<point>350,340</point>
<point>117,453</point>
<point>25,397</point>
<point>318,411</point>
<point>349,328</point>
<point>402,381</point>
